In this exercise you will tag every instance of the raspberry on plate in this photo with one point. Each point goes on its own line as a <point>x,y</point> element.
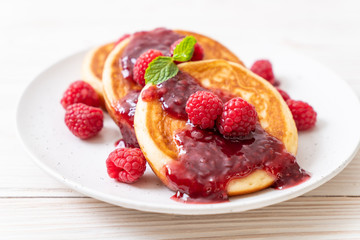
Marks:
<point>198,50</point>
<point>237,119</point>
<point>263,68</point>
<point>304,115</point>
<point>126,164</point>
<point>80,92</point>
<point>84,121</point>
<point>284,94</point>
<point>142,63</point>
<point>203,108</point>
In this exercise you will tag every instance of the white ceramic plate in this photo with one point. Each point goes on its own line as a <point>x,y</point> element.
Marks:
<point>323,151</point>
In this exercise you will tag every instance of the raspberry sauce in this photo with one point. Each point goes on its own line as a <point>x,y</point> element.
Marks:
<point>125,111</point>
<point>173,94</point>
<point>159,39</point>
<point>207,162</point>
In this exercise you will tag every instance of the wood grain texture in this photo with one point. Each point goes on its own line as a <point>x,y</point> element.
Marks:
<point>36,33</point>
<point>66,218</point>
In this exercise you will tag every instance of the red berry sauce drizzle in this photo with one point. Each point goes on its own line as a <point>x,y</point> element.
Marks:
<point>173,94</point>
<point>125,111</point>
<point>159,39</point>
<point>207,161</point>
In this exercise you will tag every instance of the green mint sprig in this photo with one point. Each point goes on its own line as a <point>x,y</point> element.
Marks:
<point>184,51</point>
<point>163,68</point>
<point>160,69</point>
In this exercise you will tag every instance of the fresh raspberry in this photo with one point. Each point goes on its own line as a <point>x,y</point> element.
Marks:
<point>237,119</point>
<point>83,121</point>
<point>198,50</point>
<point>284,94</point>
<point>304,115</point>
<point>122,38</point>
<point>142,63</point>
<point>126,164</point>
<point>80,92</point>
<point>263,68</point>
<point>203,108</point>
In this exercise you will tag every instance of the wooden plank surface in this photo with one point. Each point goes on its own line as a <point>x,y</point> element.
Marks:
<point>34,34</point>
<point>81,218</point>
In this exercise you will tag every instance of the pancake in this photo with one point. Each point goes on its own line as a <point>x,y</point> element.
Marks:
<point>155,129</point>
<point>93,66</point>
<point>117,87</point>
<point>94,61</point>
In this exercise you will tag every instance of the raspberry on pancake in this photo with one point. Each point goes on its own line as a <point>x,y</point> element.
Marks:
<point>238,118</point>
<point>203,108</point>
<point>142,63</point>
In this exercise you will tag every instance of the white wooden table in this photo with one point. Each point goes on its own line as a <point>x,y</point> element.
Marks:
<point>34,34</point>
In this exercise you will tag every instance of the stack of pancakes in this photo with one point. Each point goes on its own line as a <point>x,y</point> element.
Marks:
<point>155,129</point>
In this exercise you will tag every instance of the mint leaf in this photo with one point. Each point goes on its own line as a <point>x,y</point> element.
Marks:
<point>184,50</point>
<point>160,69</point>
<point>163,68</point>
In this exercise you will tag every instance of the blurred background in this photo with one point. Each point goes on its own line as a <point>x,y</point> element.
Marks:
<point>40,32</point>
